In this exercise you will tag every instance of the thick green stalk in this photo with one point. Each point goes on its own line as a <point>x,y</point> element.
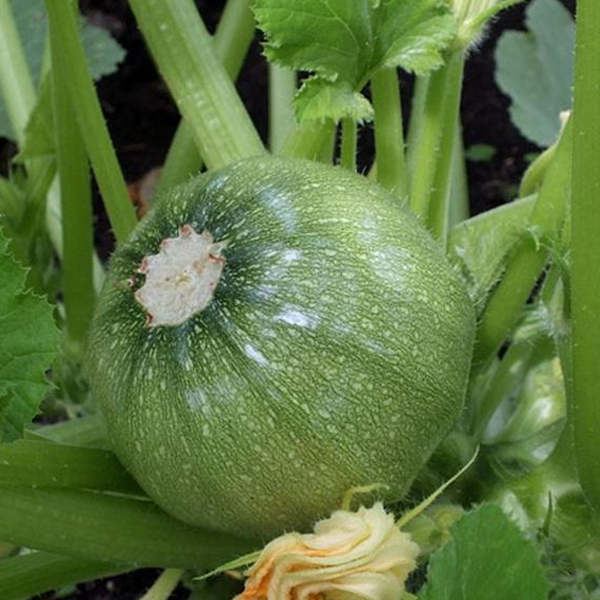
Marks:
<point>76,207</point>
<point>459,209</point>
<point>327,152</point>
<point>282,89</point>
<point>509,373</point>
<point>182,160</point>
<point>84,431</point>
<point>389,132</point>
<point>113,528</point>
<point>531,255</point>
<point>415,125</point>
<point>349,144</point>
<point>431,160</point>
<point>18,92</point>
<point>35,464</point>
<point>39,572</point>
<point>535,173</point>
<point>16,84</point>
<point>163,587</point>
<point>585,252</point>
<point>439,201</point>
<point>184,53</point>
<point>231,42</point>
<point>308,140</point>
<point>68,49</point>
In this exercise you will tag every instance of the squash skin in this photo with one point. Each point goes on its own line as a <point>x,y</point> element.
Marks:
<point>334,353</point>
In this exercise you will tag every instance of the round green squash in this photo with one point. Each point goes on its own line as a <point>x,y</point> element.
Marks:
<point>273,334</point>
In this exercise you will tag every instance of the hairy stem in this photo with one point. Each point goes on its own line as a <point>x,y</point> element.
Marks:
<point>349,144</point>
<point>528,260</point>
<point>389,132</point>
<point>431,160</point>
<point>282,89</point>
<point>585,248</point>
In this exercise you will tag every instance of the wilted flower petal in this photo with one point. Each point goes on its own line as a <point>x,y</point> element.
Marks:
<point>359,554</point>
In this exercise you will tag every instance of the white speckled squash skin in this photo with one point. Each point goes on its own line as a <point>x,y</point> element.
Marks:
<point>334,352</point>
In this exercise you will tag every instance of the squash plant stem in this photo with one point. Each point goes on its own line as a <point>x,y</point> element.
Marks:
<point>76,205</point>
<point>35,573</point>
<point>415,125</point>
<point>530,256</point>
<point>183,50</point>
<point>389,132</point>
<point>349,141</point>
<point>282,89</point>
<point>108,527</point>
<point>535,173</point>
<point>507,375</point>
<point>15,80</point>
<point>164,586</point>
<point>308,140</point>
<point>231,42</point>
<point>458,210</point>
<point>68,49</point>
<point>431,160</point>
<point>585,346</point>
<point>438,212</point>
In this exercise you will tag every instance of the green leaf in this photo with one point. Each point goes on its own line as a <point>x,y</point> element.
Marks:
<point>330,37</point>
<point>28,345</point>
<point>535,68</point>
<point>487,558</point>
<point>346,41</point>
<point>103,53</point>
<point>319,99</point>
<point>411,35</point>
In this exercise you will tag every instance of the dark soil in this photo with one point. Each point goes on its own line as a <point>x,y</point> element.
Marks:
<point>142,118</point>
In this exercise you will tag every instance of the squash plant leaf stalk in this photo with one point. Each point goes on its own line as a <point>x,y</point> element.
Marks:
<point>282,90</point>
<point>19,96</point>
<point>389,132</point>
<point>585,300</point>
<point>15,80</point>
<point>232,39</point>
<point>184,52</point>
<point>76,205</point>
<point>437,114</point>
<point>68,49</point>
<point>33,463</point>
<point>349,144</point>
<point>527,262</point>
<point>164,586</point>
<point>37,572</point>
<point>110,527</point>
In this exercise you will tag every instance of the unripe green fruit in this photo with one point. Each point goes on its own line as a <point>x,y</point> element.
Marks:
<point>315,341</point>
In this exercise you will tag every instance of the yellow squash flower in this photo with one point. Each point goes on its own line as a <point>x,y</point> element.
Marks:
<point>350,555</point>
